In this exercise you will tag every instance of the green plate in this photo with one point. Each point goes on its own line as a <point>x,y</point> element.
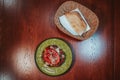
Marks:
<point>54,71</point>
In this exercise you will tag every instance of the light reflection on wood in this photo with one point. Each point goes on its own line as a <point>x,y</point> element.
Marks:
<point>92,49</point>
<point>23,61</point>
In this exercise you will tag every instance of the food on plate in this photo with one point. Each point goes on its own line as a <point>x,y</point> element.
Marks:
<point>74,22</point>
<point>53,56</point>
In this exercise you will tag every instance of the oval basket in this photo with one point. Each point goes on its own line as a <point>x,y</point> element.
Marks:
<point>90,17</point>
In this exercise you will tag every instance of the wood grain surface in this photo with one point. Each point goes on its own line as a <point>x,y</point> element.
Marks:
<point>25,23</point>
<point>117,41</point>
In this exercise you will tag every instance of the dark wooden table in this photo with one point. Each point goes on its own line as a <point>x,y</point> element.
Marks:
<point>25,23</point>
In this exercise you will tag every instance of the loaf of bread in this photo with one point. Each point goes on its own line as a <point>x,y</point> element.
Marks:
<point>74,23</point>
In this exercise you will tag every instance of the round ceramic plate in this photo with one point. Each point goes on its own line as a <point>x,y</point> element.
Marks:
<point>53,71</point>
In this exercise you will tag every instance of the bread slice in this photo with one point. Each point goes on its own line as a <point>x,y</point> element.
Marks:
<point>76,22</point>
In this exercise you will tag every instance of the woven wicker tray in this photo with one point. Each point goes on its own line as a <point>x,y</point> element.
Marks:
<point>90,17</point>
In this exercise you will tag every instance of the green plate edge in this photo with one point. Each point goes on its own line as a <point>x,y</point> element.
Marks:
<point>53,71</point>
